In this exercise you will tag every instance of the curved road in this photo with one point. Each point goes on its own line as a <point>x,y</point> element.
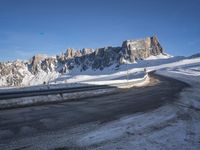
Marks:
<point>24,123</point>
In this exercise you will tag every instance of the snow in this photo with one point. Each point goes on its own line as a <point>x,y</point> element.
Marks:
<point>109,75</point>
<point>173,126</point>
<point>135,79</point>
<point>130,124</point>
<point>116,84</point>
<point>76,75</point>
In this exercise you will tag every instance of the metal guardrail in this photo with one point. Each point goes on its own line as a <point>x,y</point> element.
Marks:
<point>9,95</point>
<point>18,94</point>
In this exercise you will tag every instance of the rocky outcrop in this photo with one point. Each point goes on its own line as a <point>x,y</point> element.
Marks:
<point>12,74</point>
<point>141,49</point>
<point>35,62</point>
<point>70,53</point>
<point>87,51</point>
<point>48,64</point>
<point>156,48</point>
<point>100,58</point>
<point>78,53</point>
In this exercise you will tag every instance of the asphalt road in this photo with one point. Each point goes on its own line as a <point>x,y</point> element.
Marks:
<point>22,123</point>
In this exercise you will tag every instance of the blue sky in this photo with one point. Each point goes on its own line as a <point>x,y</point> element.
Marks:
<point>28,27</point>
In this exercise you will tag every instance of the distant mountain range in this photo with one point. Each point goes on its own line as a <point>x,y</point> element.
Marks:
<point>18,73</point>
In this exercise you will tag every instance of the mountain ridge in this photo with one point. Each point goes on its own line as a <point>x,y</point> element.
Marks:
<point>13,73</point>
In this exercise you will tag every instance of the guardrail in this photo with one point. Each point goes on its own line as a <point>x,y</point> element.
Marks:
<point>27,98</point>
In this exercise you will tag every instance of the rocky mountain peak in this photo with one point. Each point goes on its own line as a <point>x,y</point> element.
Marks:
<point>35,63</point>
<point>141,49</point>
<point>70,53</point>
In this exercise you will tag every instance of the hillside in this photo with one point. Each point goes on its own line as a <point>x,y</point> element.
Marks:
<point>42,69</point>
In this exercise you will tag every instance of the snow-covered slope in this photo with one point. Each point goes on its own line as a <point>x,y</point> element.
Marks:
<point>172,126</point>
<point>160,56</point>
<point>87,65</point>
<point>42,69</point>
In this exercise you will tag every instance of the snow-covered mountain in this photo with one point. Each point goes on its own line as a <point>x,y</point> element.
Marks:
<point>42,69</point>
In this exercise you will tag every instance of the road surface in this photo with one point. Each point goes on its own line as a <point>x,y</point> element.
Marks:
<point>40,127</point>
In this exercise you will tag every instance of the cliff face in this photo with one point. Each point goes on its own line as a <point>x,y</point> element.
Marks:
<point>87,58</point>
<point>141,49</point>
<point>131,50</point>
<point>12,73</point>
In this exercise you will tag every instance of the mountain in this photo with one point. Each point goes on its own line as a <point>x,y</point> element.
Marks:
<point>194,55</point>
<point>44,69</point>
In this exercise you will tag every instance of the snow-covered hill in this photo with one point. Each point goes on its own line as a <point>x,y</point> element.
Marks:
<point>89,65</point>
<point>42,69</point>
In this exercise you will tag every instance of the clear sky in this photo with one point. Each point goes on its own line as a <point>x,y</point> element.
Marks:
<point>28,27</point>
